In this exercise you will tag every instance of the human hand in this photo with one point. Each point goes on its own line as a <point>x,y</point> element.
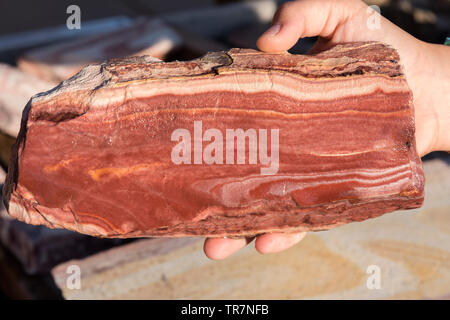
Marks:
<point>426,66</point>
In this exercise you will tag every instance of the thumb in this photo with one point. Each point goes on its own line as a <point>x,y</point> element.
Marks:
<point>306,18</point>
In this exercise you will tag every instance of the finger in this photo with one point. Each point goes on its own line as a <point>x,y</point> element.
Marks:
<point>306,18</point>
<point>220,248</point>
<point>276,242</point>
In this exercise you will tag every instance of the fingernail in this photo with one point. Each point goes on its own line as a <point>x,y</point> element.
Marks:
<point>273,30</point>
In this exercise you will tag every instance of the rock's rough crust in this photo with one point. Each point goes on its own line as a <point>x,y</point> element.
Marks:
<point>94,154</point>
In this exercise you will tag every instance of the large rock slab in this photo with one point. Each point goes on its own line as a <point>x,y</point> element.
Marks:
<point>137,147</point>
<point>17,88</point>
<point>60,61</point>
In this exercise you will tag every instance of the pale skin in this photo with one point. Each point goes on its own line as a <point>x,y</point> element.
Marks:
<point>426,66</point>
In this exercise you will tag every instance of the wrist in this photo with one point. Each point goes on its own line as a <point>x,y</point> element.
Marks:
<point>439,94</point>
<point>430,82</point>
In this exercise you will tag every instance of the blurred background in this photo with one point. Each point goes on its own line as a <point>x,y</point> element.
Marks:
<point>43,43</point>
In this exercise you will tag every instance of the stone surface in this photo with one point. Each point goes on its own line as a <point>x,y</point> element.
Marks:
<point>17,88</point>
<point>100,154</point>
<point>411,249</point>
<point>16,284</point>
<point>60,61</point>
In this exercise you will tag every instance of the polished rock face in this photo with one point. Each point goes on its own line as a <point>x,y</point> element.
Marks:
<point>117,151</point>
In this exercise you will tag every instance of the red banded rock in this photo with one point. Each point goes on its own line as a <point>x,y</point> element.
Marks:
<point>60,61</point>
<point>136,147</point>
<point>39,249</point>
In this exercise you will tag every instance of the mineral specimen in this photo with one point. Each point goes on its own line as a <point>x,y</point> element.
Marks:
<point>235,143</point>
